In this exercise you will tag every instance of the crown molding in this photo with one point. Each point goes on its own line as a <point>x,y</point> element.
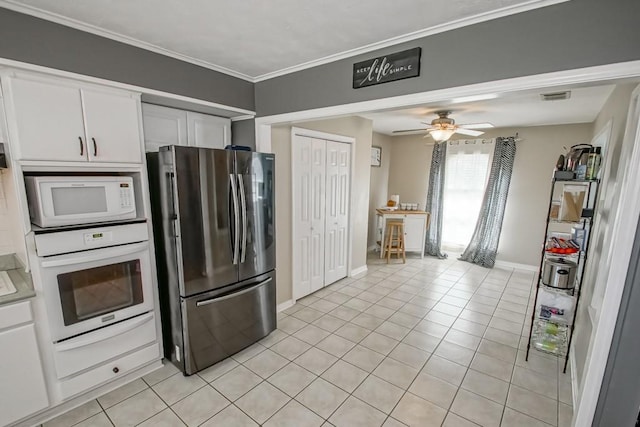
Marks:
<point>459,23</point>
<point>89,28</point>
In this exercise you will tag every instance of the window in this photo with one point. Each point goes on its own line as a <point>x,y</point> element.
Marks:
<point>466,173</point>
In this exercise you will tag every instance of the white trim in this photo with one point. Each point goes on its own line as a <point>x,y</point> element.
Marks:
<point>284,305</point>
<point>624,226</point>
<point>89,28</point>
<point>245,117</point>
<point>559,78</point>
<point>574,378</point>
<point>458,23</point>
<point>322,135</point>
<point>516,265</point>
<point>24,66</point>
<point>93,29</point>
<point>358,270</point>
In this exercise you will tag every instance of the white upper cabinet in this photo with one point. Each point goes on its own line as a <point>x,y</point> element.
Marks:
<point>55,121</point>
<point>112,130</point>
<point>171,126</point>
<point>208,131</point>
<point>163,126</point>
<point>49,121</point>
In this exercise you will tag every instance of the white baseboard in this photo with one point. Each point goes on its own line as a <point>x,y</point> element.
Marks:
<point>284,305</point>
<point>574,377</point>
<point>518,266</point>
<point>358,270</point>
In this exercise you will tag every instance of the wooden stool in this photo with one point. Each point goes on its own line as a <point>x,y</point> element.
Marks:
<point>395,240</point>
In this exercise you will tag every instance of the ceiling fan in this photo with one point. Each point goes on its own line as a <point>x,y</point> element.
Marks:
<point>442,128</point>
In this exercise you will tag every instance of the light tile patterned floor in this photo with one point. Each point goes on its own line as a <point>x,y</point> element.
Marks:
<point>426,343</point>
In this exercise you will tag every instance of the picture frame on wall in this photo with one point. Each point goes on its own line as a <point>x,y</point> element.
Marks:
<point>376,156</point>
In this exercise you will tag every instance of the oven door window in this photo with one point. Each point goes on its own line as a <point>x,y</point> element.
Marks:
<point>98,291</point>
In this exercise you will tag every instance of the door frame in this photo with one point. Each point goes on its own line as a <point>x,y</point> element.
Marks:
<point>297,131</point>
<point>611,72</point>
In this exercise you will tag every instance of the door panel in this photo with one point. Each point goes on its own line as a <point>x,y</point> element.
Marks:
<point>219,325</point>
<point>318,184</point>
<point>49,121</point>
<point>208,131</point>
<point>337,210</point>
<point>414,230</point>
<point>256,183</point>
<point>112,128</point>
<point>163,126</point>
<point>301,152</point>
<point>206,218</point>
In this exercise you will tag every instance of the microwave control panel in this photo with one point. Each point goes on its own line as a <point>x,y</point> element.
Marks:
<point>126,195</point>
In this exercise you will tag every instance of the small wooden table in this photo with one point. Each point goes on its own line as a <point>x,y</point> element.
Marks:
<point>416,224</point>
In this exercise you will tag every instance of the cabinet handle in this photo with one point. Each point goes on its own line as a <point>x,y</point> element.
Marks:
<point>116,370</point>
<point>81,146</point>
<point>95,147</point>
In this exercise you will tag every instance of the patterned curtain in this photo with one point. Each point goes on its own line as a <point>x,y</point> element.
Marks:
<point>435,195</point>
<point>484,243</point>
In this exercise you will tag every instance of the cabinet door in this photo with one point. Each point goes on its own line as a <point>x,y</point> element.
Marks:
<point>163,126</point>
<point>414,230</point>
<point>337,210</point>
<point>208,131</point>
<point>22,387</point>
<point>49,121</point>
<point>112,127</point>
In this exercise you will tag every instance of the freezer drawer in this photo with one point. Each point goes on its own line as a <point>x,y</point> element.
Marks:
<point>219,324</point>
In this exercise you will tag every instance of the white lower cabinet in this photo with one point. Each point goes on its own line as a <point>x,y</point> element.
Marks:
<point>171,126</point>
<point>22,387</point>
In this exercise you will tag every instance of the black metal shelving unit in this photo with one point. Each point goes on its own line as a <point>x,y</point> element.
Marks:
<point>557,332</point>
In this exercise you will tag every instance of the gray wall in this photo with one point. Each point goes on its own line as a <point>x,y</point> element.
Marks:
<point>28,39</point>
<point>574,34</point>
<point>620,393</point>
<point>243,132</point>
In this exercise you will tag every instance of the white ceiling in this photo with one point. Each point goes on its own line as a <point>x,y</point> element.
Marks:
<point>520,109</point>
<point>256,38</point>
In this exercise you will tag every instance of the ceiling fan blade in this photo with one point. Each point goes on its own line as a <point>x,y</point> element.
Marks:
<point>409,130</point>
<point>477,126</point>
<point>468,132</point>
<point>428,125</point>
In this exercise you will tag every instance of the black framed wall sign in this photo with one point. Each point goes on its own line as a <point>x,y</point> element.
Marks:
<point>388,68</point>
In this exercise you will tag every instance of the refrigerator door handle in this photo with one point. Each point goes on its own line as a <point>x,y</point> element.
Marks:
<point>243,201</point>
<point>236,219</point>
<point>232,295</point>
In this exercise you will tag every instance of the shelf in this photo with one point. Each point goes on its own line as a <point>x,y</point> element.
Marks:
<point>550,337</point>
<point>575,255</point>
<point>568,291</point>
<point>561,221</point>
<point>586,181</point>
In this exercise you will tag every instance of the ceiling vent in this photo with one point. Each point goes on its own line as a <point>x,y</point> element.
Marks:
<point>555,96</point>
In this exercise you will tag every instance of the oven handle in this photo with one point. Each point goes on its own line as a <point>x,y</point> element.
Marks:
<point>83,257</point>
<point>232,295</point>
<point>104,334</point>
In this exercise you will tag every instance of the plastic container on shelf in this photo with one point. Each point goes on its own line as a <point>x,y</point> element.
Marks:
<point>555,306</point>
<point>550,337</point>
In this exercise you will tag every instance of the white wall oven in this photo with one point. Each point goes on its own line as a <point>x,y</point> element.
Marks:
<point>94,277</point>
<point>56,201</point>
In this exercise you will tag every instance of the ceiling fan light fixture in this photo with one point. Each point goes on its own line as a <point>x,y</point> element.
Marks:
<point>441,135</point>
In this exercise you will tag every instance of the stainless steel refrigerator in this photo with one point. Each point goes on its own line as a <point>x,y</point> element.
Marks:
<point>214,231</point>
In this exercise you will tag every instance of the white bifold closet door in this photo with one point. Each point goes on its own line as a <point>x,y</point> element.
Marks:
<point>321,171</point>
<point>337,211</point>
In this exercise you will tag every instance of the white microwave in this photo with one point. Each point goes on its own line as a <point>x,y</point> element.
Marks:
<point>72,200</point>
